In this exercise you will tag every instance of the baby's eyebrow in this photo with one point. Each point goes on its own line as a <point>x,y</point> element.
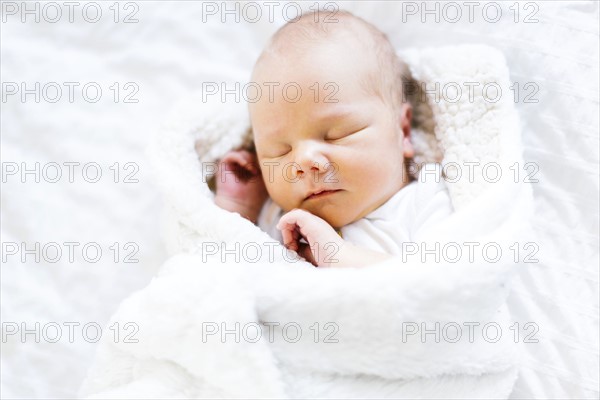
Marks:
<point>336,113</point>
<point>271,132</point>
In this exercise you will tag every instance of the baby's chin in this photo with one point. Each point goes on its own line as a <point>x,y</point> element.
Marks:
<point>334,210</point>
<point>336,216</point>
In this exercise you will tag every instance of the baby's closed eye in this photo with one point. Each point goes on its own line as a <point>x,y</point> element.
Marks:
<point>335,134</point>
<point>277,152</point>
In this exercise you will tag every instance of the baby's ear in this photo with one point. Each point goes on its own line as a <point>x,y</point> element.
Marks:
<point>405,123</point>
<point>405,115</point>
<point>405,118</point>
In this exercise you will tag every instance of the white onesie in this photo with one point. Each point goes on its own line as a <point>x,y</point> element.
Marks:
<point>405,217</point>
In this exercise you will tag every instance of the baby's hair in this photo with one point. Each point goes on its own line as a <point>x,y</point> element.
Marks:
<point>389,80</point>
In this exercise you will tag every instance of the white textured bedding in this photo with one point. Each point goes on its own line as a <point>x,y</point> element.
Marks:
<point>169,53</point>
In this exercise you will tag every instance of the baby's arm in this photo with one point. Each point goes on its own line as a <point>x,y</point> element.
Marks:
<point>239,184</point>
<point>325,247</point>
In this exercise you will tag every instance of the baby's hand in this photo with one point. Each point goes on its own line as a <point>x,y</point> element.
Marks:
<point>240,187</point>
<point>325,248</point>
<point>323,241</point>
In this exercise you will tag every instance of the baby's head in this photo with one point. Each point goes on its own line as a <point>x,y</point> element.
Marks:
<point>346,131</point>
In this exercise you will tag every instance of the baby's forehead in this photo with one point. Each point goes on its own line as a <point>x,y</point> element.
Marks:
<point>339,54</point>
<point>306,36</point>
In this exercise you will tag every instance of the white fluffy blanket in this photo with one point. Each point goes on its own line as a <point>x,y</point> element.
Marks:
<point>268,327</point>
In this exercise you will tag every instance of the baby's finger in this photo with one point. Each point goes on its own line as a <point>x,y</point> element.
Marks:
<point>234,158</point>
<point>300,219</point>
<point>248,160</point>
<point>237,163</point>
<point>290,236</point>
<point>293,217</point>
<point>306,252</point>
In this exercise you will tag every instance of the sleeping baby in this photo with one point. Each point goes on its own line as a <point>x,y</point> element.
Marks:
<point>328,173</point>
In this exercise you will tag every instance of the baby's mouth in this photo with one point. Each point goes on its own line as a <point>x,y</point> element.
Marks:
<point>321,193</point>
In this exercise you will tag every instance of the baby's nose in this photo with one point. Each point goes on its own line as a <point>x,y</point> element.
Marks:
<point>314,168</point>
<point>311,159</point>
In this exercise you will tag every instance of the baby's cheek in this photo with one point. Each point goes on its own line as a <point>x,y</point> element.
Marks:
<point>364,170</point>
<point>280,193</point>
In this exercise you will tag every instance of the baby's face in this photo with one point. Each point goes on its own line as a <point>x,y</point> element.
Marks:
<point>353,148</point>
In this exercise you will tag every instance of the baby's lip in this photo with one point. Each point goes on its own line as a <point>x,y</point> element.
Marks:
<point>320,193</point>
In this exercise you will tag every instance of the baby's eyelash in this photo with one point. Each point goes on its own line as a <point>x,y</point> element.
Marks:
<point>281,154</point>
<point>344,134</point>
<point>331,137</point>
